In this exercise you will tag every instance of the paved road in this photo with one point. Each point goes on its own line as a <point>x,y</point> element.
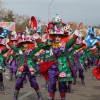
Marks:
<point>90,91</point>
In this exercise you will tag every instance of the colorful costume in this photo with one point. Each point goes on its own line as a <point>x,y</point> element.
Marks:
<point>57,68</point>
<point>24,67</point>
<point>3,50</point>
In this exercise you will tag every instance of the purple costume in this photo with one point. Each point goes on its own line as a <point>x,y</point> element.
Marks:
<point>26,71</point>
<point>53,76</point>
<point>79,65</point>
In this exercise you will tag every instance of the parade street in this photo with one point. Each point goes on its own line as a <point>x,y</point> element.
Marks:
<point>89,91</point>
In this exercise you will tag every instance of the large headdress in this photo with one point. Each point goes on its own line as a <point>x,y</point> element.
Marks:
<point>19,35</point>
<point>13,36</point>
<point>58,27</point>
<point>91,37</point>
<point>26,40</point>
<point>91,31</point>
<point>4,32</point>
<point>35,26</point>
<point>33,23</point>
<point>90,41</point>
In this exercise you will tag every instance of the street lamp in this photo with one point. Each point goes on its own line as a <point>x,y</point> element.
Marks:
<point>49,10</point>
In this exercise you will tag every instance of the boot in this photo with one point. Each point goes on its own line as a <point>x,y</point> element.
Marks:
<point>39,74</point>
<point>47,85</point>
<point>82,80</point>
<point>69,89</point>
<point>15,97</point>
<point>2,86</point>
<point>51,98</point>
<point>25,80</point>
<point>63,99</point>
<point>11,76</point>
<point>39,95</point>
<point>15,76</point>
<point>74,81</point>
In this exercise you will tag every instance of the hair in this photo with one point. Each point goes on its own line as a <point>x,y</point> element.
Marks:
<point>31,46</point>
<point>64,38</point>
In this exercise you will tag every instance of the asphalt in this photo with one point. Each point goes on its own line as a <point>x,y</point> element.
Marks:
<point>89,91</point>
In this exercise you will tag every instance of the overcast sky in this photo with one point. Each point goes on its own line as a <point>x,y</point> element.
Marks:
<point>86,11</point>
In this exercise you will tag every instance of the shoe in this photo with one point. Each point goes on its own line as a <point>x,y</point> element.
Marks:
<point>51,98</point>
<point>2,88</point>
<point>74,83</point>
<point>39,95</point>
<point>39,75</point>
<point>11,77</point>
<point>83,83</point>
<point>25,80</point>
<point>69,89</point>
<point>15,95</point>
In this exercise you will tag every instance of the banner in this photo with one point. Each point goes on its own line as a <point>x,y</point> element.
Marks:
<point>8,25</point>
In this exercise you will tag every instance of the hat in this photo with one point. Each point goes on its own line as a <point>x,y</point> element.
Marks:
<point>39,29</point>
<point>19,34</point>
<point>25,40</point>
<point>33,23</point>
<point>98,38</point>
<point>78,41</point>
<point>1,37</point>
<point>4,32</point>
<point>58,27</point>
<point>90,41</point>
<point>91,31</point>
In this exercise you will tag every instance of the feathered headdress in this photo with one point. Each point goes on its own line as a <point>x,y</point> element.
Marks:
<point>91,31</point>
<point>33,23</point>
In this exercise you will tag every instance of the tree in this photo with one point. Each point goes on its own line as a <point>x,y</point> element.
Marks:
<point>9,17</point>
<point>21,22</point>
<point>74,26</point>
<point>2,9</point>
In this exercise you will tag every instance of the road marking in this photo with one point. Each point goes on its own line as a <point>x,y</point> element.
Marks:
<point>7,77</point>
<point>25,95</point>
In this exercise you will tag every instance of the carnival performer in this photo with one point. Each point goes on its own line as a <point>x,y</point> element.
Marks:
<point>57,68</point>
<point>23,49</point>
<point>72,62</point>
<point>3,50</point>
<point>94,46</point>
<point>12,59</point>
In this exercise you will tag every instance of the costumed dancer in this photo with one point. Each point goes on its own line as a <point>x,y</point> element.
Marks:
<point>94,46</point>
<point>23,70</point>
<point>12,59</point>
<point>57,68</point>
<point>24,67</point>
<point>3,50</point>
<point>83,60</point>
<point>76,47</point>
<point>45,54</point>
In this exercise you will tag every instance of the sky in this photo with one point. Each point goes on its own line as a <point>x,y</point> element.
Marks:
<point>86,11</point>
